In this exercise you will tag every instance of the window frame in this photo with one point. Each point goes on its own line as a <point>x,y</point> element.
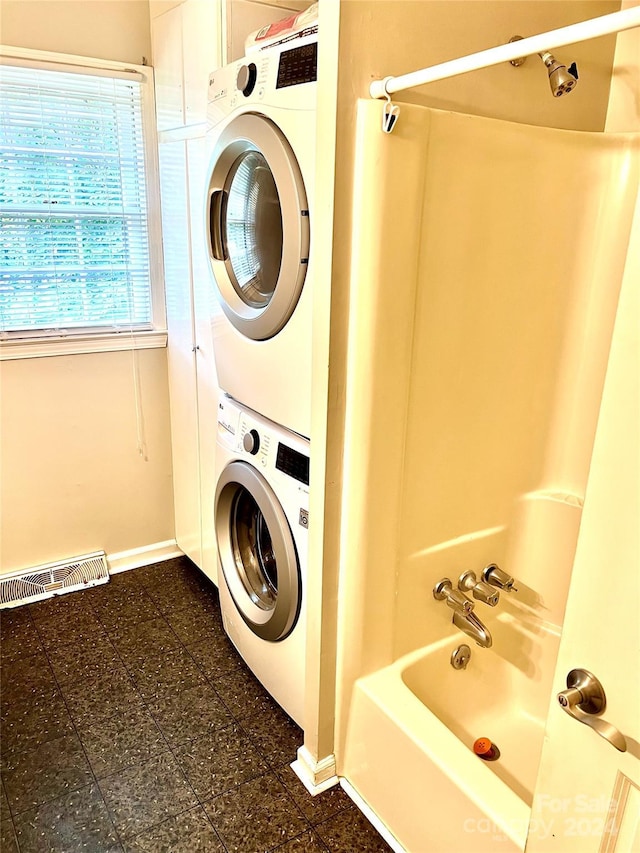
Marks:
<point>38,342</point>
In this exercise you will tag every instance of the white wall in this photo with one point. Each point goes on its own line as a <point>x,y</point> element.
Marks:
<point>623,113</point>
<point>72,478</point>
<point>379,38</point>
<point>106,29</point>
<point>392,37</point>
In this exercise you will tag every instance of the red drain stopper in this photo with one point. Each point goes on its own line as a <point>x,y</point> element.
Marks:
<point>483,747</point>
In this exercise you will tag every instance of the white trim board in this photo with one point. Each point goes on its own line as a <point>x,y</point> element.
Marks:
<point>316,775</point>
<point>122,561</point>
<point>12,348</point>
<point>371,816</point>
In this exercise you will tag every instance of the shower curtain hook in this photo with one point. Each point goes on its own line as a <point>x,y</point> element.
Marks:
<point>390,112</point>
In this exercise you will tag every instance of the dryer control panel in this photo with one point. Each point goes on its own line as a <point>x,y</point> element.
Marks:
<point>282,76</point>
<point>298,65</point>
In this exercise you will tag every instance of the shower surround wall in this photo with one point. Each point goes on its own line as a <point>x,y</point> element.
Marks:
<point>484,289</point>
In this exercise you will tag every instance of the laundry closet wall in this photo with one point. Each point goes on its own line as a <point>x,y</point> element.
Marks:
<point>487,332</point>
<point>376,39</point>
<point>72,479</point>
<point>478,348</point>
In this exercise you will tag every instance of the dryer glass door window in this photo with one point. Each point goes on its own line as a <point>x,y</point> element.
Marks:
<point>253,229</point>
<point>258,226</point>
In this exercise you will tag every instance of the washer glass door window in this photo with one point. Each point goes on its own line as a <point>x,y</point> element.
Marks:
<point>257,552</point>
<point>258,226</point>
<point>253,550</point>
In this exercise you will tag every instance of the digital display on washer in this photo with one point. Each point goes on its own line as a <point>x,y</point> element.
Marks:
<point>293,463</point>
<point>298,65</point>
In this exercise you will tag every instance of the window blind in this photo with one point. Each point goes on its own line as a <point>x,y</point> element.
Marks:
<point>74,250</point>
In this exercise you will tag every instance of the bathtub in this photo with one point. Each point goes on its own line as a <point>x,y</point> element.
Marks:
<point>408,752</point>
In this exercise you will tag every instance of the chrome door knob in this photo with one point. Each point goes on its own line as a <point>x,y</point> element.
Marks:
<point>585,698</point>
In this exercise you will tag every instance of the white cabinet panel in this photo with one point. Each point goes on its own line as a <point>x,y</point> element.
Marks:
<point>187,46</point>
<point>166,34</point>
<point>181,355</point>
<point>202,50</point>
<point>206,313</point>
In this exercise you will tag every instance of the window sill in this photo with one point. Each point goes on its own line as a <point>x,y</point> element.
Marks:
<point>14,348</point>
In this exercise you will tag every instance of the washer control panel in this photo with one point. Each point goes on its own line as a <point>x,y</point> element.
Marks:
<point>293,463</point>
<point>268,445</point>
<point>255,443</point>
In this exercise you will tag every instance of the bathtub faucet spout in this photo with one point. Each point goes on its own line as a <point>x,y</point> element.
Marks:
<point>473,627</point>
<point>463,616</point>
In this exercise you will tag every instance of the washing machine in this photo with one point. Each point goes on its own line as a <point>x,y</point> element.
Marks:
<point>261,522</point>
<point>259,204</point>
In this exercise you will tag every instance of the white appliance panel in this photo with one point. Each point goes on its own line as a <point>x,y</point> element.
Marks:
<point>263,342</point>
<point>262,517</point>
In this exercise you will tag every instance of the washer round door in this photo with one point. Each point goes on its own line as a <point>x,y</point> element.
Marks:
<point>257,552</point>
<point>258,226</point>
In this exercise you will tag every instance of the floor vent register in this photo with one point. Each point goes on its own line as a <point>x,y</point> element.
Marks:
<point>53,579</point>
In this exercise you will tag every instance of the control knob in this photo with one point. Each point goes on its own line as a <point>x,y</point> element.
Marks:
<point>251,441</point>
<point>246,79</point>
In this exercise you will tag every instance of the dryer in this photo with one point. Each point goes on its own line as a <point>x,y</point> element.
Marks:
<point>261,523</point>
<point>259,203</point>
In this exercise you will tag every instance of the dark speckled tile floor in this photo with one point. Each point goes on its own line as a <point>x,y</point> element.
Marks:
<point>129,723</point>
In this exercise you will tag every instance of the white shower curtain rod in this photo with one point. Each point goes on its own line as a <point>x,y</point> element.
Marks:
<point>583,31</point>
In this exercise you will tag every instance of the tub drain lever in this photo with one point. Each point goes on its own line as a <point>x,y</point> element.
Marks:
<point>461,656</point>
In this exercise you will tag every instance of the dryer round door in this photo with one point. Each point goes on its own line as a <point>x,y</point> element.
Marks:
<point>257,552</point>
<point>258,226</point>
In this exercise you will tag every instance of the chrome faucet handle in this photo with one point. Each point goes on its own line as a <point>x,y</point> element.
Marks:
<point>468,582</point>
<point>444,591</point>
<point>493,574</point>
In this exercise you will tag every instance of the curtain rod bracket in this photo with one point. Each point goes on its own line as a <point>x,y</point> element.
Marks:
<point>519,60</point>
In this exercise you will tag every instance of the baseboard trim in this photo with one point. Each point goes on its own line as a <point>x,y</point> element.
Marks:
<point>371,816</point>
<point>122,561</point>
<point>316,776</point>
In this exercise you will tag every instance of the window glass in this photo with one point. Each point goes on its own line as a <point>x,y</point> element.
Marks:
<point>74,249</point>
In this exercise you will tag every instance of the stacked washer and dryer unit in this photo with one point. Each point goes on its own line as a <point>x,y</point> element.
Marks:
<point>262,116</point>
